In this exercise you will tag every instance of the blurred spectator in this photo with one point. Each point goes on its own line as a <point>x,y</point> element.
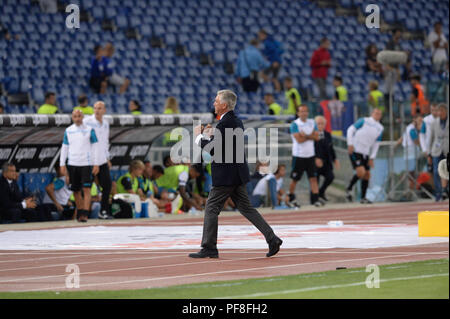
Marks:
<point>148,190</point>
<point>98,80</point>
<point>157,172</point>
<point>376,97</point>
<point>320,63</point>
<point>57,196</point>
<point>428,121</point>
<point>96,196</point>
<point>325,157</point>
<point>114,78</point>
<point>439,48</point>
<point>49,106</point>
<point>135,107</point>
<point>167,161</point>
<point>175,179</point>
<point>293,98</point>
<point>341,91</point>
<point>410,141</point>
<point>146,186</point>
<point>272,50</point>
<point>48,6</point>
<point>438,146</point>
<point>425,183</point>
<point>270,185</point>
<point>2,109</point>
<point>274,108</point>
<point>187,191</point>
<point>171,106</point>
<point>408,69</point>
<point>103,178</point>
<point>249,63</point>
<point>372,65</point>
<point>13,206</point>
<point>83,105</point>
<point>4,34</point>
<point>419,103</point>
<point>261,169</point>
<point>129,182</point>
<point>337,109</point>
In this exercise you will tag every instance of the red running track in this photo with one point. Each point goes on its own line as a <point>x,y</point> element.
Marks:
<point>138,269</point>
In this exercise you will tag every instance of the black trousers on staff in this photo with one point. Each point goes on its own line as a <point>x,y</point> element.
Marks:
<point>104,180</point>
<point>327,173</point>
<point>214,205</point>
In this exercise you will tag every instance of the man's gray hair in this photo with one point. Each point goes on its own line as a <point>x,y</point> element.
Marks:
<point>228,97</point>
<point>6,166</point>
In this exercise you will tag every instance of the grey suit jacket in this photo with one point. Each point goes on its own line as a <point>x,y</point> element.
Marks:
<point>438,143</point>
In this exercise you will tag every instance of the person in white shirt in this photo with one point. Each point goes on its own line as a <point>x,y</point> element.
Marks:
<point>57,195</point>
<point>439,48</point>
<point>425,137</point>
<point>303,133</point>
<point>271,185</point>
<point>81,151</point>
<point>103,178</point>
<point>410,141</point>
<point>363,139</point>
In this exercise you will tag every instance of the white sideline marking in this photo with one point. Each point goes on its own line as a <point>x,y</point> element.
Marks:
<point>284,292</point>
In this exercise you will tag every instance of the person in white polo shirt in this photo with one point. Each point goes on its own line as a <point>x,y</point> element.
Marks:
<point>363,141</point>
<point>439,48</point>
<point>81,151</point>
<point>269,185</point>
<point>101,127</point>
<point>303,133</point>
<point>425,137</point>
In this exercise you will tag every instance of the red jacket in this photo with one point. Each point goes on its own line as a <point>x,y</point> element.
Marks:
<point>318,70</point>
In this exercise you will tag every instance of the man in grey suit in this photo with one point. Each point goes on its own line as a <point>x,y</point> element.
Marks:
<point>438,146</point>
<point>230,175</point>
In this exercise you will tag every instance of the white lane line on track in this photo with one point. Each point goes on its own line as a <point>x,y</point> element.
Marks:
<point>281,254</point>
<point>200,274</point>
<point>284,292</point>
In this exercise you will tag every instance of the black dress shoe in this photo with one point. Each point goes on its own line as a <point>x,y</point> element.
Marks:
<point>274,246</point>
<point>205,254</point>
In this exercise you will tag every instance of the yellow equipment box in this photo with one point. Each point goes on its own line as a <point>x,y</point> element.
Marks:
<point>433,224</point>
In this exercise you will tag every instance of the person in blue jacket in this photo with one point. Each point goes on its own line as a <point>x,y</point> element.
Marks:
<point>272,51</point>
<point>249,63</point>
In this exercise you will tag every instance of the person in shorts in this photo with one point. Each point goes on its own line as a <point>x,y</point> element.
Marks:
<point>80,149</point>
<point>303,133</point>
<point>363,140</point>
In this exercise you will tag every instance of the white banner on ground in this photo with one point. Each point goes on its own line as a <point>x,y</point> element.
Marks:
<point>230,237</point>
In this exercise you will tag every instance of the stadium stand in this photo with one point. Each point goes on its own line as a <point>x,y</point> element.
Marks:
<point>49,57</point>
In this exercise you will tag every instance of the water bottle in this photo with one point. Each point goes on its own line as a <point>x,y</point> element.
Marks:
<point>336,223</point>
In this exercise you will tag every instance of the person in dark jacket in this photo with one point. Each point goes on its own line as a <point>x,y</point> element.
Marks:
<point>230,174</point>
<point>325,157</point>
<point>272,51</point>
<point>13,206</point>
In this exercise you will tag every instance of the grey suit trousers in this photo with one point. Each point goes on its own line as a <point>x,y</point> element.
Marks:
<point>214,205</point>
